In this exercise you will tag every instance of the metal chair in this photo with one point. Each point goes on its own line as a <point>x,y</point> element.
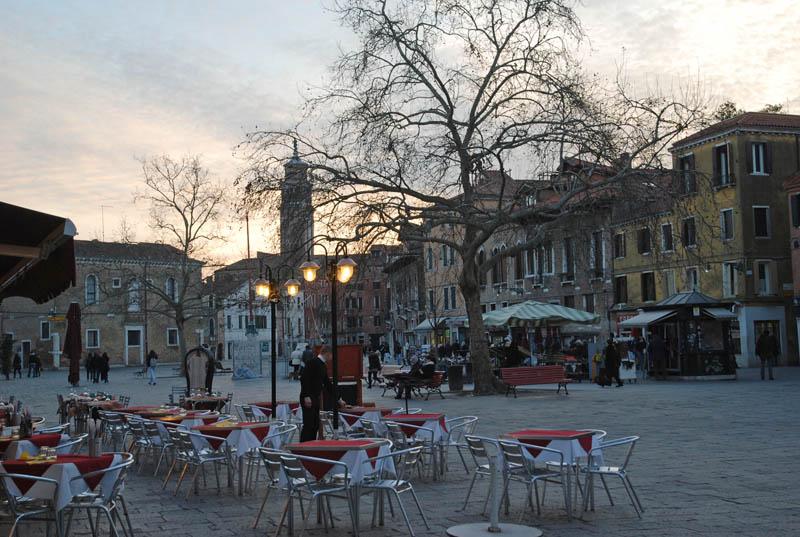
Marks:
<point>159,442</point>
<point>114,428</point>
<point>302,485</point>
<point>457,428</point>
<point>63,428</point>
<point>574,467</point>
<point>73,445</point>
<point>598,466</point>
<point>422,437</point>
<point>271,459</point>
<point>477,448</point>
<point>25,509</point>
<point>404,462</point>
<point>105,502</point>
<point>519,467</point>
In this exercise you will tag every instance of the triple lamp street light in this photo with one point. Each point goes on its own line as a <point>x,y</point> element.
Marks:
<point>338,271</point>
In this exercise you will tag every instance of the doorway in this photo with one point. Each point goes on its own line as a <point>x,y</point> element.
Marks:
<point>774,328</point>
<point>134,347</point>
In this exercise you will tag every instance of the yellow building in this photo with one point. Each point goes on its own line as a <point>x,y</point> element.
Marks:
<point>720,226</point>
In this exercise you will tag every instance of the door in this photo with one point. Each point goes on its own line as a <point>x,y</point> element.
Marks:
<point>134,347</point>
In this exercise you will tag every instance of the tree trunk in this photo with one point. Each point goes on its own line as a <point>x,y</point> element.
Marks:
<point>485,380</point>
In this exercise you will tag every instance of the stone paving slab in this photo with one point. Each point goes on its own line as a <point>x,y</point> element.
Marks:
<point>714,459</point>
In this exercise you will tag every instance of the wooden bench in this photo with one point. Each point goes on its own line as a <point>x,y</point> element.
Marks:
<point>525,376</point>
<point>433,385</point>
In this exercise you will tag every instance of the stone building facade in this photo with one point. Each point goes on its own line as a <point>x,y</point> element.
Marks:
<point>120,313</point>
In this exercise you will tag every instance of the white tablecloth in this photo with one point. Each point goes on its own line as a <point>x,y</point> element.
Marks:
<point>241,440</point>
<point>18,447</point>
<point>357,460</point>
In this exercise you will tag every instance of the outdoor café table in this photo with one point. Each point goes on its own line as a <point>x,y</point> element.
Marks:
<point>571,443</point>
<point>205,402</point>
<point>151,412</point>
<point>354,414</point>
<point>63,469</point>
<point>12,447</point>
<point>355,454</point>
<point>435,422</point>
<point>283,412</point>
<point>240,438</point>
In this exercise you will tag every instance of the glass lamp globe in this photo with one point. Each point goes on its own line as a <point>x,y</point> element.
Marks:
<point>292,287</point>
<point>309,269</point>
<point>261,287</point>
<point>345,269</point>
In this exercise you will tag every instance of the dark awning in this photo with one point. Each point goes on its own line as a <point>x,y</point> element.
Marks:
<point>37,254</point>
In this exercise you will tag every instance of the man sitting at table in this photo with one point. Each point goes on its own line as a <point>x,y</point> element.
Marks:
<point>419,371</point>
<point>313,379</point>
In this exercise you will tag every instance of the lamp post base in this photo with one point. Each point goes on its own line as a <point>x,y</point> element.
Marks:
<point>483,529</point>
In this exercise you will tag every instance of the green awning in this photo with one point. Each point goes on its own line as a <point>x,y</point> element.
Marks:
<point>532,313</point>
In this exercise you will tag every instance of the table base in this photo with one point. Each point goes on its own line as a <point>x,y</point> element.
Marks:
<point>482,529</point>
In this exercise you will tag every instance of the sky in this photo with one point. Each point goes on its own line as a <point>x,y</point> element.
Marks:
<point>89,88</point>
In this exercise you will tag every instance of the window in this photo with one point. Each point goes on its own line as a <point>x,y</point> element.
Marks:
<point>761,227</point>
<point>504,305</point>
<point>169,288</point>
<point>91,289</point>
<point>241,322</point>
<point>483,308</point>
<point>692,279</point>
<point>481,272</point>
<point>212,328</point>
<point>445,258</point>
<point>92,338</point>
<point>530,262</point>
<point>453,297</point>
<point>668,282</point>
<point>376,285</point>
<point>229,323</point>
<point>619,245</point>
<point>376,301</point>
<point>597,253</point>
<point>430,258</point>
<point>172,337</point>
<point>568,258</point>
<point>116,283</point>
<point>764,278</point>
<point>667,244</point>
<point>689,235</point>
<point>644,241</point>
<point>794,202</point>
<point>361,302</point>
<point>621,290</point>
<point>726,224</point>
<point>261,322</point>
<point>722,174</point>
<point>44,330</point>
<point>688,181</point>
<point>519,265</point>
<point>759,161</point>
<point>446,293</point>
<point>648,281</point>
<point>134,337</point>
<point>376,321</point>
<point>588,302</point>
<point>431,300</point>
<point>134,296</point>
<point>729,279</point>
<point>548,258</point>
<point>492,307</point>
<point>569,301</point>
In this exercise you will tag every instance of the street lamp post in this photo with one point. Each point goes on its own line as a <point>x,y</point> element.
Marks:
<point>339,270</point>
<point>270,290</point>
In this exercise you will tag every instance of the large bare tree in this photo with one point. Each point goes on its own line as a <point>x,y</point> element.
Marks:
<point>421,120</point>
<point>185,205</point>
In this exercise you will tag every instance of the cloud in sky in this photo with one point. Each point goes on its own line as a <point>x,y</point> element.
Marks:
<point>87,86</point>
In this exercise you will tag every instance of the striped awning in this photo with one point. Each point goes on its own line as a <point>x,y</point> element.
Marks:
<point>532,313</point>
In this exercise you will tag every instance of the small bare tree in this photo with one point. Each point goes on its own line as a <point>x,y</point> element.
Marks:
<point>185,206</point>
<point>437,93</point>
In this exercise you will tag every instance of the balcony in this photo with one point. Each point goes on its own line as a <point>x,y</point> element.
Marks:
<point>595,274</point>
<point>567,278</point>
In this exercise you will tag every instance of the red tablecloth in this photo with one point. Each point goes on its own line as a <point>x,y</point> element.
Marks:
<point>84,463</point>
<point>334,450</point>
<point>38,440</point>
<point>259,430</point>
<point>571,442</point>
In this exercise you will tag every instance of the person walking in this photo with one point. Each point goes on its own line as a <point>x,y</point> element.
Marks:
<point>374,360</point>
<point>105,367</point>
<point>658,353</point>
<point>767,349</point>
<point>313,380</point>
<point>17,365</point>
<point>151,362</point>
<point>210,369</point>
<point>31,364</point>
<point>88,364</point>
<point>612,363</point>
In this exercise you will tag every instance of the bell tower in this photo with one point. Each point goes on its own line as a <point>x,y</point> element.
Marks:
<point>297,211</point>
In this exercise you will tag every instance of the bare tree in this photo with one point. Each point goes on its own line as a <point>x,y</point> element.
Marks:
<point>185,206</point>
<point>438,93</point>
<point>125,231</point>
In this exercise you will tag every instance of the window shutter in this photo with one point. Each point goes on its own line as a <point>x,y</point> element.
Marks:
<point>692,176</point>
<point>749,157</point>
<point>767,158</point>
<point>796,210</point>
<point>729,149</point>
<point>715,159</point>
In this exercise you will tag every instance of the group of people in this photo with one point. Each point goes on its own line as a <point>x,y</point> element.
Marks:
<point>34,365</point>
<point>97,367</point>
<point>612,359</point>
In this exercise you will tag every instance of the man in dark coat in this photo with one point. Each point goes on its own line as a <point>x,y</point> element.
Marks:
<point>374,367</point>
<point>313,380</point>
<point>658,353</point>
<point>612,363</point>
<point>767,349</point>
<point>210,368</point>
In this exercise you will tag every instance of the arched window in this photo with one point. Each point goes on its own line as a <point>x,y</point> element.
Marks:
<point>91,289</point>
<point>503,267</point>
<point>495,268</point>
<point>134,295</point>
<point>170,289</point>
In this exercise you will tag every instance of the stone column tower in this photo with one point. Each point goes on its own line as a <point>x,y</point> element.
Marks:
<point>297,212</point>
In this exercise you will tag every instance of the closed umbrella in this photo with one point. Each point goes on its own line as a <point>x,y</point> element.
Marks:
<point>533,313</point>
<point>72,343</point>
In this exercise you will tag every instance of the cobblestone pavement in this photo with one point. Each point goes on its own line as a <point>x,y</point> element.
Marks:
<point>715,458</point>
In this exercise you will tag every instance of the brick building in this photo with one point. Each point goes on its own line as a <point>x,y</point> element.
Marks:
<point>121,312</point>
